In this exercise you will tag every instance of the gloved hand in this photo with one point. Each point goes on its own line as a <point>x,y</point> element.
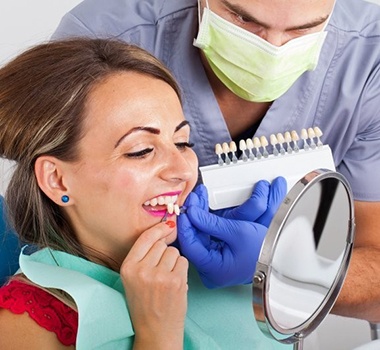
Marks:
<point>224,251</point>
<point>262,205</point>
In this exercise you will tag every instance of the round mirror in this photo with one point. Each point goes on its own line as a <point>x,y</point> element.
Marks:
<point>304,257</point>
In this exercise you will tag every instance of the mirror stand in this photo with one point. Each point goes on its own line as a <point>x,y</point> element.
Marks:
<point>298,345</point>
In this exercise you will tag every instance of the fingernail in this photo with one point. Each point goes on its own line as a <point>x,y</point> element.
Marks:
<point>170,223</point>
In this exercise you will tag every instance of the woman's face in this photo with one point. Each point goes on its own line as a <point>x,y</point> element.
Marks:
<point>134,153</point>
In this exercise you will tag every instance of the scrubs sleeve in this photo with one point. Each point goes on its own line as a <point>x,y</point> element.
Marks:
<point>71,26</point>
<point>131,21</point>
<point>361,163</point>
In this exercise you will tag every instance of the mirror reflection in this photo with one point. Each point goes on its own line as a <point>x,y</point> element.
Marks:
<point>304,258</point>
<point>309,253</point>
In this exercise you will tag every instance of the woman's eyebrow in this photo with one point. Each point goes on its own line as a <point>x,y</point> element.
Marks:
<point>148,129</point>
<point>181,125</point>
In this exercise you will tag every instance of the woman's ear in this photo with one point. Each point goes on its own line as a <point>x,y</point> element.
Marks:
<point>49,174</point>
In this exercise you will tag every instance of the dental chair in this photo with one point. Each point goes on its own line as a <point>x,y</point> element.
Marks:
<point>9,247</point>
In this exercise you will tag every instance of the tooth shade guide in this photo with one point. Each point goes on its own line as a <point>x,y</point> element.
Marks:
<point>294,136</point>
<point>226,150</point>
<point>280,138</point>
<point>287,137</point>
<point>281,141</point>
<point>311,134</point>
<point>225,147</point>
<point>219,151</point>
<point>230,186</point>
<point>233,149</point>
<point>288,140</point>
<point>273,142</point>
<point>264,143</point>
<point>243,147</point>
<point>257,145</point>
<point>256,142</point>
<point>318,134</point>
<point>304,137</point>
<point>295,139</point>
<point>173,208</point>
<point>273,139</point>
<point>249,144</point>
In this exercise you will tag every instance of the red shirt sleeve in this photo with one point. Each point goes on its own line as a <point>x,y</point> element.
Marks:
<point>44,308</point>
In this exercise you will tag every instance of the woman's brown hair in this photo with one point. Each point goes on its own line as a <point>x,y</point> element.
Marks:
<point>43,93</point>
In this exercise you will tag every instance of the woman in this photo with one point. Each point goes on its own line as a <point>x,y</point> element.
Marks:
<point>103,151</point>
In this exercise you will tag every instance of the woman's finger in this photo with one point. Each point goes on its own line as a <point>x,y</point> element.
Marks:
<point>148,239</point>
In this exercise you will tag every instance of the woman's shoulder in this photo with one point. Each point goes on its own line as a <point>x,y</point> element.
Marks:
<point>43,307</point>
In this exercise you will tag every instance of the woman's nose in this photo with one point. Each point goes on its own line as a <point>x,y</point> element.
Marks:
<point>179,166</point>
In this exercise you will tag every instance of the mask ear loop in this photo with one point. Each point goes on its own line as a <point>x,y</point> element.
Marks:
<point>328,19</point>
<point>199,9</point>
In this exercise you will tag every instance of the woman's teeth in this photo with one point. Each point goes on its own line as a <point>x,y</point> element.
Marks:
<point>169,201</point>
<point>161,200</point>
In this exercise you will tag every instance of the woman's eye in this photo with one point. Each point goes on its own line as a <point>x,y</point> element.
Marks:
<point>184,145</point>
<point>139,154</point>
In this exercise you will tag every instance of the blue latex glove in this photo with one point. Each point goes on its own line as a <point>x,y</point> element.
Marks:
<point>262,205</point>
<point>224,251</point>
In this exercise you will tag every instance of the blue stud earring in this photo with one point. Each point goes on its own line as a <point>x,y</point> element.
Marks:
<point>65,199</point>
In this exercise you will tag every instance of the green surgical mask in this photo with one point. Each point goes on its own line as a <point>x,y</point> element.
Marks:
<point>251,67</point>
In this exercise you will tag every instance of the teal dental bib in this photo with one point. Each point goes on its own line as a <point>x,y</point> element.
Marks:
<point>216,319</point>
<point>96,290</point>
<point>104,321</point>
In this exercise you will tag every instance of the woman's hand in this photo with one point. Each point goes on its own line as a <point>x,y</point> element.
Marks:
<point>154,276</point>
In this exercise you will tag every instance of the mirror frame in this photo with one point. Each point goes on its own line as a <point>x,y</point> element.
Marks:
<point>260,286</point>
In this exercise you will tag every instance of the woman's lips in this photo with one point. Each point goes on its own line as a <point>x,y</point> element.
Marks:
<point>157,212</point>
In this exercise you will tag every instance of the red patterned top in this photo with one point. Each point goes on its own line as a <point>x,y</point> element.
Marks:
<point>44,308</point>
